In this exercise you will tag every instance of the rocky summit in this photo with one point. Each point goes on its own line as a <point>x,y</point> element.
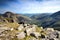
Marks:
<point>13,17</point>
<point>15,31</point>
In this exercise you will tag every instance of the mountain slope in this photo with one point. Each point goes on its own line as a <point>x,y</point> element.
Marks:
<point>12,17</point>
<point>48,20</point>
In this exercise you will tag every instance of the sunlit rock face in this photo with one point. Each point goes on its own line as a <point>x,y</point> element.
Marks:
<point>8,14</point>
<point>21,35</point>
<point>49,29</point>
<point>13,17</point>
<point>31,29</point>
<point>27,32</point>
<point>20,27</point>
<point>35,34</point>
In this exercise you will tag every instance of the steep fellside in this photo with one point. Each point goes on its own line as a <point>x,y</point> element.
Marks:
<point>12,17</point>
<point>48,20</point>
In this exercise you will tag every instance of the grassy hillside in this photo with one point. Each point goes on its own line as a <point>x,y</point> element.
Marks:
<point>12,17</point>
<point>47,20</point>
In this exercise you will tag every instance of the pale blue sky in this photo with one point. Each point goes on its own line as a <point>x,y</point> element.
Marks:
<point>30,6</point>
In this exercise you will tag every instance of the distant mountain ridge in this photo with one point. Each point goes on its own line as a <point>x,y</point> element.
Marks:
<point>56,14</point>
<point>48,20</point>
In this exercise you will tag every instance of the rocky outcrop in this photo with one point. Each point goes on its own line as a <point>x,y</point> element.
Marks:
<point>20,27</point>
<point>13,17</point>
<point>21,35</point>
<point>35,34</point>
<point>28,32</point>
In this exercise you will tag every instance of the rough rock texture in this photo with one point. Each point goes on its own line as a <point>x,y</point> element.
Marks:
<point>20,27</point>
<point>35,34</point>
<point>20,35</point>
<point>28,32</point>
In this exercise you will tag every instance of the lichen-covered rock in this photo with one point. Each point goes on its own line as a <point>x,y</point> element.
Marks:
<point>1,31</point>
<point>20,27</point>
<point>49,29</point>
<point>33,39</point>
<point>21,35</point>
<point>25,24</point>
<point>44,39</point>
<point>30,30</point>
<point>56,39</point>
<point>43,36</point>
<point>35,34</point>
<point>58,35</point>
<point>34,28</point>
<point>51,36</point>
<point>2,34</point>
<point>12,29</point>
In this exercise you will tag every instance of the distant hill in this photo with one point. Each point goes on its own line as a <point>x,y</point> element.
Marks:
<point>56,15</point>
<point>28,15</point>
<point>40,16</point>
<point>12,17</point>
<point>47,20</point>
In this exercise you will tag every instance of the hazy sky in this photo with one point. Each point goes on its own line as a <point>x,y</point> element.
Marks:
<point>30,6</point>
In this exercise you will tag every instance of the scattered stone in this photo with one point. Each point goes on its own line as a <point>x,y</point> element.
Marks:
<point>56,39</point>
<point>44,39</point>
<point>33,39</point>
<point>2,35</point>
<point>59,34</point>
<point>25,24</point>
<point>12,29</point>
<point>21,35</point>
<point>1,31</point>
<point>51,39</point>
<point>49,29</point>
<point>35,34</point>
<point>20,27</point>
<point>24,30</point>
<point>41,27</point>
<point>30,30</point>
<point>42,36</point>
<point>52,36</point>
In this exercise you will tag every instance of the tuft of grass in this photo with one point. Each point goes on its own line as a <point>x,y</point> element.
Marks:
<point>13,25</point>
<point>38,29</point>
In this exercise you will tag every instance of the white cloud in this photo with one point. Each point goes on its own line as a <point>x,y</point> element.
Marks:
<point>41,7</point>
<point>34,6</point>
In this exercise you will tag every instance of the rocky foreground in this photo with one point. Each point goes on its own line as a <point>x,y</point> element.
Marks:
<point>27,32</point>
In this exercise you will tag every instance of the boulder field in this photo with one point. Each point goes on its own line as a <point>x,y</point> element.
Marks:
<point>27,32</point>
